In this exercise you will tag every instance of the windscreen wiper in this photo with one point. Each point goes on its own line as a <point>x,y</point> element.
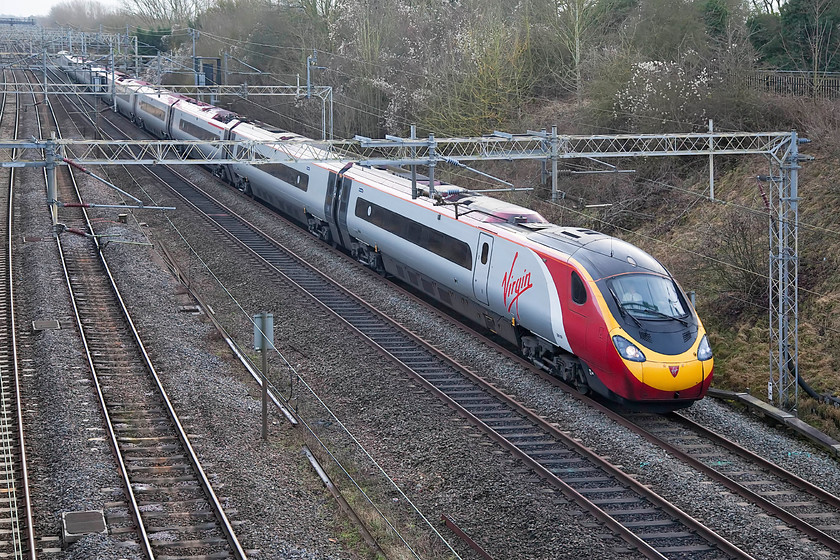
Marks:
<point>666,316</point>
<point>621,309</point>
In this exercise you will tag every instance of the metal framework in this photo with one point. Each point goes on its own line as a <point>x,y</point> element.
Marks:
<point>242,90</point>
<point>783,387</point>
<point>17,21</point>
<point>121,52</point>
<point>392,150</point>
<point>780,148</point>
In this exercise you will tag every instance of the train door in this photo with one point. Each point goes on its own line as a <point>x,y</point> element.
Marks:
<point>343,196</point>
<point>335,207</point>
<point>167,127</point>
<point>229,174</point>
<point>481,271</point>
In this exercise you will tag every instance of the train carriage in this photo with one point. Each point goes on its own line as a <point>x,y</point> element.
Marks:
<point>151,110</point>
<point>188,120</point>
<point>591,309</point>
<point>296,188</point>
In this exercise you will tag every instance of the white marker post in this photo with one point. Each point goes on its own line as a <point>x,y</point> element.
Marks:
<point>263,339</point>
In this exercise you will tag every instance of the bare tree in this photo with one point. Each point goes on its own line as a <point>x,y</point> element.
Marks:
<point>167,13</point>
<point>820,36</point>
<point>767,6</point>
<point>810,39</point>
<point>487,87</point>
<point>574,22</point>
<point>81,14</point>
<point>325,10</point>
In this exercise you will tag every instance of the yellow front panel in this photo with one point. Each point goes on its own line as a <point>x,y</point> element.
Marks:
<point>659,375</point>
<point>656,370</point>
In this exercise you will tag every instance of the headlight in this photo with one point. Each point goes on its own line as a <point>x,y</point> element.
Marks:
<point>704,351</point>
<point>628,350</point>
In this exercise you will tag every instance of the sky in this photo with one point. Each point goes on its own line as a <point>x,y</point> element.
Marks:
<point>22,8</point>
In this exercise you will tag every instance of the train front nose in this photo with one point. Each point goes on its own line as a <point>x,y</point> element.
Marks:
<point>680,379</point>
<point>665,377</point>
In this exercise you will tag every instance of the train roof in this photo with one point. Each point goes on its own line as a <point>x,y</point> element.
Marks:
<point>602,255</point>
<point>492,210</point>
<point>449,198</point>
<point>200,108</point>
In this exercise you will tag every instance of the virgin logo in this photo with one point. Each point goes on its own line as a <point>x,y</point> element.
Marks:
<point>515,287</point>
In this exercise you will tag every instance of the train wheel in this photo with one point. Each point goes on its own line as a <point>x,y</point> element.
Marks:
<point>582,388</point>
<point>580,382</point>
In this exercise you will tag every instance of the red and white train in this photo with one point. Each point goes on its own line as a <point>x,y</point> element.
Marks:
<point>593,310</point>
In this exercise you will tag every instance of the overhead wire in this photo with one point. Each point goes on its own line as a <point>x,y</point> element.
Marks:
<point>204,264</point>
<point>376,112</point>
<point>678,247</point>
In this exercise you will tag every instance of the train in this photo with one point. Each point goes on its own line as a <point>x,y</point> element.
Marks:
<point>595,311</point>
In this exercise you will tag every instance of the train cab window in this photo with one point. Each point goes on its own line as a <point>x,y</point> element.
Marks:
<point>578,289</point>
<point>485,252</point>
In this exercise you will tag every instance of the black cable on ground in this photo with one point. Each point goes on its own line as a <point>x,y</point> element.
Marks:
<point>825,398</point>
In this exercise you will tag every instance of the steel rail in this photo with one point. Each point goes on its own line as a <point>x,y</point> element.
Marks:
<point>739,489</point>
<point>793,479</point>
<point>134,507</point>
<point>633,539</point>
<point>622,420</point>
<point>24,464</point>
<point>745,453</point>
<point>715,475</point>
<point>759,500</point>
<point>568,491</point>
<point>690,522</point>
<point>228,339</point>
<point>192,456</point>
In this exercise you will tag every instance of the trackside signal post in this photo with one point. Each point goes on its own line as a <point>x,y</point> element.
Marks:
<point>263,340</point>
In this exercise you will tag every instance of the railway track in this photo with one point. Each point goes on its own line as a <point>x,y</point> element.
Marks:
<point>800,504</point>
<point>804,506</point>
<point>15,506</point>
<point>648,523</point>
<point>171,509</point>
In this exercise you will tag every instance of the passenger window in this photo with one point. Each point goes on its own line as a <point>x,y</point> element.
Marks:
<point>578,289</point>
<point>485,252</point>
